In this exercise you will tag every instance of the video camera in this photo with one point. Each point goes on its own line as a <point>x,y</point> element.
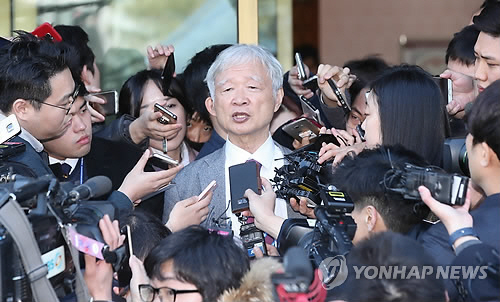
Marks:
<point>455,159</point>
<point>334,229</point>
<point>62,222</point>
<point>446,188</point>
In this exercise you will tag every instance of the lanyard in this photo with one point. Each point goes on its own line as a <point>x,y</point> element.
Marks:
<point>81,170</point>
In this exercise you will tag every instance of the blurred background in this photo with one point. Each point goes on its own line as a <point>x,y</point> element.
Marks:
<point>335,31</point>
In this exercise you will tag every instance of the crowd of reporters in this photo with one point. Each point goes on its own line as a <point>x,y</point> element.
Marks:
<point>231,105</point>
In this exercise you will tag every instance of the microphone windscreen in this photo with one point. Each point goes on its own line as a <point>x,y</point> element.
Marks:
<point>296,263</point>
<point>99,185</point>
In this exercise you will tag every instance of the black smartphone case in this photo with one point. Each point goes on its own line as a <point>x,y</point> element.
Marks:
<point>242,177</point>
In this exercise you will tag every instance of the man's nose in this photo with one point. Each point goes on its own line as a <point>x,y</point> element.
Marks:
<point>194,134</point>
<point>480,73</point>
<point>240,97</point>
<point>78,124</point>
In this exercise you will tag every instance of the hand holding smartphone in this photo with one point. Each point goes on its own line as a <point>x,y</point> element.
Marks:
<point>110,107</point>
<point>162,161</point>
<point>168,117</point>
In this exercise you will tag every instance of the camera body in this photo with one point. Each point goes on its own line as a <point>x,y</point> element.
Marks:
<point>334,229</point>
<point>446,188</point>
<point>50,210</point>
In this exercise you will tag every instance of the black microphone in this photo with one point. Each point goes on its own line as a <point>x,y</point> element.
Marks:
<point>299,282</point>
<point>95,186</point>
<point>296,263</point>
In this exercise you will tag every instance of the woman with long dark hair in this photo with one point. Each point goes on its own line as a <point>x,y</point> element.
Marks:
<point>138,96</point>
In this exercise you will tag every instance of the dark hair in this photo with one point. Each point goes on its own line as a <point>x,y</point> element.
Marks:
<point>71,58</point>
<point>132,91</point>
<point>411,111</point>
<point>75,35</point>
<point>194,78</point>
<point>461,47</point>
<point>387,249</point>
<point>483,120</point>
<point>362,178</point>
<point>146,230</point>
<point>365,70</point>
<point>488,20</point>
<point>26,67</point>
<point>487,2</point>
<point>212,262</point>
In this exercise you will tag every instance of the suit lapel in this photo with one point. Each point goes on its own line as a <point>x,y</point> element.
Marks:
<point>215,170</point>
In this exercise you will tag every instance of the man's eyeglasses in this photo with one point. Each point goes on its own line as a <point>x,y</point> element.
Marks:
<point>148,293</point>
<point>72,96</point>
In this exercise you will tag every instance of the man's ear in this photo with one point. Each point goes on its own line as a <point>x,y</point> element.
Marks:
<point>22,109</point>
<point>279,99</point>
<point>210,105</point>
<point>371,218</point>
<point>487,154</point>
<point>87,75</point>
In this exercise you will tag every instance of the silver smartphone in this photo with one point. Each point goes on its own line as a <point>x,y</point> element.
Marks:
<point>111,105</point>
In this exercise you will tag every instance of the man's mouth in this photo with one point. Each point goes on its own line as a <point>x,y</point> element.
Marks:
<point>240,117</point>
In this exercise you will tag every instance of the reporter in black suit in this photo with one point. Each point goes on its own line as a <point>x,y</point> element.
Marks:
<point>483,149</point>
<point>37,87</point>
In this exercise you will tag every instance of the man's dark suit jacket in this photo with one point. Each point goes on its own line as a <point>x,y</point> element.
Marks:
<point>486,224</point>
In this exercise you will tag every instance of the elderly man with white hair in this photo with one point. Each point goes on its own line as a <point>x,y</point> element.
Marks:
<point>245,83</point>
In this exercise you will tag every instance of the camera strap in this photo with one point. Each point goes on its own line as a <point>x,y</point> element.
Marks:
<point>15,221</point>
<point>81,291</point>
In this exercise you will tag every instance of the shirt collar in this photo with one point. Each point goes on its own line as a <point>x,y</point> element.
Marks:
<point>70,161</point>
<point>264,154</point>
<point>35,143</point>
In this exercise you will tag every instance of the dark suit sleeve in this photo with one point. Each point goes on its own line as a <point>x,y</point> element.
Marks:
<point>121,202</point>
<point>486,285</point>
<point>118,131</point>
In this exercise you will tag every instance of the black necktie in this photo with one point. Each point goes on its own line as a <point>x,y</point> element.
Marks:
<point>61,171</point>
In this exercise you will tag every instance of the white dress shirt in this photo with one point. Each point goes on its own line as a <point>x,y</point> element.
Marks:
<point>70,161</point>
<point>270,156</point>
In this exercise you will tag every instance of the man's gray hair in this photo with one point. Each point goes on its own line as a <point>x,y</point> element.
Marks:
<point>244,53</point>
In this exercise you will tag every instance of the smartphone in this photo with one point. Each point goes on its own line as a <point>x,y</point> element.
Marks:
<point>303,127</point>
<point>111,105</point>
<point>129,239</point>
<point>162,161</point>
<point>168,117</point>
<point>242,177</point>
<point>300,67</point>
<point>311,83</point>
<point>310,110</point>
<point>168,73</point>
<point>9,127</point>
<point>340,97</point>
<point>361,133</point>
<point>47,31</point>
<point>210,187</point>
<point>446,87</point>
